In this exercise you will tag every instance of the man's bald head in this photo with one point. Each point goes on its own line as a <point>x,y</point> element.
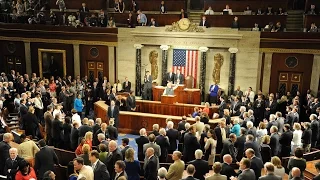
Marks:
<point>227,159</point>
<point>112,146</point>
<point>150,152</point>
<point>295,172</point>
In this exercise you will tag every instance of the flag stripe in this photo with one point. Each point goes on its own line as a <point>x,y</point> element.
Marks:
<point>187,62</point>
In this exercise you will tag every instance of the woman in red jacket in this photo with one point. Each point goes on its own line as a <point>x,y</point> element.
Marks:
<point>25,172</point>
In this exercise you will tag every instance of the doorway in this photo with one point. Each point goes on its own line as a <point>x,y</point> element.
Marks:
<point>290,82</point>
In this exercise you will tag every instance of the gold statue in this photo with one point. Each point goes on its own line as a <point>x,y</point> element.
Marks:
<point>153,58</point>
<point>218,62</point>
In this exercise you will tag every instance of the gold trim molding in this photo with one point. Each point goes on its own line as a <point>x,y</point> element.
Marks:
<point>59,41</point>
<point>299,51</point>
<point>64,59</point>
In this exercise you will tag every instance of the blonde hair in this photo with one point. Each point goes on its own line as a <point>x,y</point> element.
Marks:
<point>88,135</point>
<point>275,160</point>
<point>86,149</point>
<point>129,155</point>
<point>296,126</point>
<point>265,139</point>
<point>31,109</point>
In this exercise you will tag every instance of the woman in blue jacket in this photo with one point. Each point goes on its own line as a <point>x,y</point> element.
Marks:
<point>78,104</point>
<point>236,128</point>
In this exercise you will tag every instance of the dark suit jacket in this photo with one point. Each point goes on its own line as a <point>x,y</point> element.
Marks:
<point>227,170</point>
<point>83,129</point>
<point>235,107</point>
<point>101,172</point>
<point>206,24</point>
<point>190,178</point>
<point>254,145</point>
<point>315,130</point>
<point>122,174</point>
<point>83,10</point>
<point>126,88</point>
<point>111,160</point>
<point>272,106</point>
<point>30,123</point>
<point>217,131</point>
<point>113,132</point>
<point>191,144</point>
<point>228,148</point>
<point>45,160</point>
<point>140,142</point>
<point>274,144</point>
<point>23,110</point>
<point>163,142</point>
<point>181,78</point>
<point>123,151</point>
<point>256,166</point>
<point>74,138</point>
<point>270,176</point>
<point>169,78</point>
<point>222,106</point>
<point>239,144</point>
<point>317,177</point>
<point>57,129</point>
<point>202,168</point>
<point>173,136</point>
<point>95,138</point>
<point>13,166</point>
<point>131,102</point>
<point>181,126</point>
<point>114,115</point>
<point>306,136</point>
<point>150,172</point>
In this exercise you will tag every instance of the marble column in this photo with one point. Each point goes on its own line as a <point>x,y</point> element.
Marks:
<point>203,65</point>
<point>27,53</point>
<point>76,59</point>
<point>315,74</point>
<point>267,71</point>
<point>232,70</point>
<point>138,69</point>
<point>112,65</point>
<point>164,70</point>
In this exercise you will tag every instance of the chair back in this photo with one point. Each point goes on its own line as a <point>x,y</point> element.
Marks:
<point>188,82</point>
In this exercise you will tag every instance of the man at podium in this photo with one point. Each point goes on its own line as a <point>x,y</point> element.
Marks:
<point>169,90</point>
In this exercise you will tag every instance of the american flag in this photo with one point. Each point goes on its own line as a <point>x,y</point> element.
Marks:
<point>187,62</point>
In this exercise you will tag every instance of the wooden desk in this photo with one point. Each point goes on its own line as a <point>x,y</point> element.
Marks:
<point>177,109</point>
<point>311,171</point>
<point>168,99</point>
<point>161,19</point>
<point>184,95</point>
<point>245,21</point>
<point>132,122</point>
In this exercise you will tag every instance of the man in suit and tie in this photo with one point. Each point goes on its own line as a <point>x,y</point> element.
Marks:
<point>271,106</point>
<point>238,92</point>
<point>112,131</point>
<point>315,129</point>
<point>228,147</point>
<point>176,169</point>
<point>285,141</point>
<point>131,102</point>
<point>173,136</point>
<point>239,144</point>
<point>45,159</point>
<point>100,170</point>
<point>191,144</point>
<point>222,132</point>
<point>48,118</point>
<point>256,163</point>
<point>204,22</point>
<point>217,167</point>
<point>12,164</point>
<point>222,106</point>
<point>274,141</point>
<point>190,172</point>
<point>140,142</point>
<point>125,144</point>
<point>83,11</point>
<point>269,168</point>
<point>23,108</point>
<point>178,78</point>
<point>103,130</point>
<point>113,112</point>
<point>246,173</point>
<point>226,168</point>
<point>119,168</point>
<point>126,85</point>
<point>235,106</point>
<point>147,87</point>
<point>113,156</point>
<point>169,78</point>
<point>201,166</point>
<point>150,169</point>
<point>157,149</point>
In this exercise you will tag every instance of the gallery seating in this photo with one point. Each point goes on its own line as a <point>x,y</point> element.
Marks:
<point>308,19</point>
<point>176,5</point>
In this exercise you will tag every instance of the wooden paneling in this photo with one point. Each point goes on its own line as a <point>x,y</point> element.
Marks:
<point>14,49</point>
<point>304,66</point>
<point>85,57</point>
<point>155,6</point>
<point>178,109</point>
<point>59,32</point>
<point>161,19</point>
<point>290,40</point>
<point>308,19</point>
<point>69,55</point>
<point>240,6</point>
<point>245,21</point>
<point>187,96</point>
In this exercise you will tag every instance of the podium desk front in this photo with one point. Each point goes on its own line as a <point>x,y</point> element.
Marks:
<point>183,95</point>
<point>168,99</point>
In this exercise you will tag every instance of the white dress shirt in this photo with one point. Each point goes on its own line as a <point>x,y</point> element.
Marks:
<point>86,172</point>
<point>76,118</point>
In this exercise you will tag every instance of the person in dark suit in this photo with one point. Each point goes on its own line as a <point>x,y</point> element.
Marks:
<point>235,106</point>
<point>270,106</point>
<point>239,144</point>
<point>235,23</point>
<point>228,147</point>
<point>74,136</point>
<point>306,137</point>
<point>163,141</point>
<point>222,106</point>
<point>204,22</point>
<point>238,92</point>
<point>274,141</point>
<point>140,142</point>
<point>173,136</point>
<point>285,141</point>
<point>256,163</point>
<point>84,128</point>
<point>112,131</point>
<point>30,122</point>
<point>67,133</point>
<point>12,164</point>
<point>191,144</point>
<point>182,123</point>
<point>150,169</point>
<point>168,78</point>
<point>126,85</point>
<point>163,8</point>
<point>125,144</point>
<point>83,11</point>
<point>190,172</point>
<point>269,168</point>
<point>23,108</point>
<point>96,126</point>
<point>226,168</point>
<point>48,118</point>
<point>251,143</point>
<point>315,127</point>
<point>57,132</point>
<point>99,169</point>
<point>103,130</point>
<point>317,166</point>
<point>147,87</point>
<point>246,173</point>
<point>201,166</point>
<point>113,112</point>
<point>178,78</point>
<point>131,102</point>
<point>119,168</point>
<point>222,132</point>
<point>259,108</point>
<point>45,159</point>
<point>113,156</point>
